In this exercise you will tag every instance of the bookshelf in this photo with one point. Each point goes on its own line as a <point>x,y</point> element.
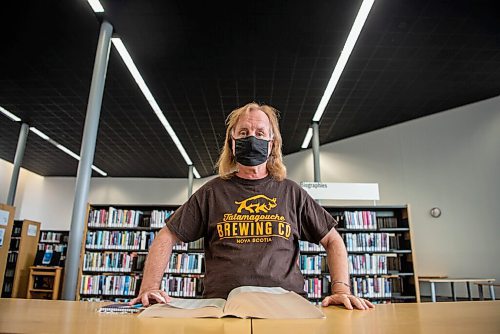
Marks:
<point>21,255</point>
<point>56,241</point>
<point>44,282</point>
<point>117,240</point>
<point>114,250</point>
<point>6,223</point>
<point>380,255</point>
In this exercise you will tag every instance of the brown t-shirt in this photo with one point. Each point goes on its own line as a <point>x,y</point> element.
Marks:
<point>252,230</point>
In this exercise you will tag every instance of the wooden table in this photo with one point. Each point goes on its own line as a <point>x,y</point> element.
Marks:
<point>57,316</point>
<point>452,282</point>
<point>411,318</point>
<point>47,316</point>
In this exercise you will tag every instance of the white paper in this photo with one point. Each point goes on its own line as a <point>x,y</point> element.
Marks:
<point>249,288</point>
<point>2,233</point>
<point>32,230</point>
<point>192,304</point>
<point>4,217</point>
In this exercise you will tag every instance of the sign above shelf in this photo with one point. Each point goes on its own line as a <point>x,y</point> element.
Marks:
<point>342,191</point>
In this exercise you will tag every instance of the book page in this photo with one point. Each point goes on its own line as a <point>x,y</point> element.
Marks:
<point>186,308</point>
<point>185,303</point>
<point>271,306</point>
<point>249,288</point>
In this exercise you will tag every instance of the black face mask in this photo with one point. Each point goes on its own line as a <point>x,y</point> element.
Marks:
<point>251,151</point>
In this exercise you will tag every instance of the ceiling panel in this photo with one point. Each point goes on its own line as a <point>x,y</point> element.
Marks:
<point>201,60</point>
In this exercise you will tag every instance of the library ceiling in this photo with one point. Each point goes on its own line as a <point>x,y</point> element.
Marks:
<point>203,59</point>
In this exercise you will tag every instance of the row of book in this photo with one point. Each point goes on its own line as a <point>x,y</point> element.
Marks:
<point>11,258</point>
<point>312,264</point>
<point>181,286</point>
<point>108,262</point>
<point>124,262</point>
<point>51,236</point>
<point>194,245</point>
<point>387,222</point>
<point>367,242</point>
<point>306,246</point>
<point>118,285</point>
<point>371,287</point>
<point>159,218</point>
<point>186,263</point>
<point>313,287</point>
<point>14,244</point>
<point>61,248</point>
<point>123,240</point>
<point>358,220</point>
<point>113,217</point>
<point>367,264</point>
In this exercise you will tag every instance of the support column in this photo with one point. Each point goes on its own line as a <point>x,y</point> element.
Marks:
<point>18,159</point>
<point>190,181</point>
<point>85,165</point>
<point>315,147</point>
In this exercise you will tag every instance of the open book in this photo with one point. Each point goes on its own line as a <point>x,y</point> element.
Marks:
<point>242,302</point>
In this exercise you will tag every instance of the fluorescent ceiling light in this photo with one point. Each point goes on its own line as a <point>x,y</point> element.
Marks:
<point>39,133</point>
<point>96,6</point>
<point>68,151</point>
<point>344,57</point>
<point>308,137</point>
<point>122,50</point>
<point>100,171</point>
<point>64,149</point>
<point>9,114</point>
<point>195,173</point>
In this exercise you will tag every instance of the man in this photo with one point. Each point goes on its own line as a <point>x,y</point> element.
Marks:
<point>252,219</point>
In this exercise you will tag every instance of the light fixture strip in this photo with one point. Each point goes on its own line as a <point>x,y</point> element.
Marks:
<point>195,173</point>
<point>96,6</point>
<point>9,114</point>
<point>122,50</point>
<point>359,22</point>
<point>63,148</point>
<point>39,133</point>
<point>307,139</point>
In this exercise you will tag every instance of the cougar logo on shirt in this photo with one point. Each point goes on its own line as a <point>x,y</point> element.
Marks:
<point>257,204</point>
<point>253,223</point>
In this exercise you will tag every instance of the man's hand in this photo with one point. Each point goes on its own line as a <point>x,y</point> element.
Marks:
<point>348,300</point>
<point>146,297</point>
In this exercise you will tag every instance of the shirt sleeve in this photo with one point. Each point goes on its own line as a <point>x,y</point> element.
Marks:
<point>188,222</point>
<point>316,222</point>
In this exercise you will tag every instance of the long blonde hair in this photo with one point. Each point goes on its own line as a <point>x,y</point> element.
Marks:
<point>227,161</point>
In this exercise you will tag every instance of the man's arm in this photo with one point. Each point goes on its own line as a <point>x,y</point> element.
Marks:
<point>154,268</point>
<point>339,273</point>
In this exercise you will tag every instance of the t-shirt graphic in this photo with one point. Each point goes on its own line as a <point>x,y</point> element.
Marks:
<point>253,221</point>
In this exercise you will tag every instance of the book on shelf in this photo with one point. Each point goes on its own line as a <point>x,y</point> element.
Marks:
<point>109,285</point>
<point>242,302</point>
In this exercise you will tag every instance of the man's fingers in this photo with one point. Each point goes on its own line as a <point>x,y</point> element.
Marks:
<point>327,301</point>
<point>158,297</point>
<point>165,296</point>
<point>347,303</point>
<point>133,301</point>
<point>362,303</point>
<point>145,299</point>
<point>370,305</point>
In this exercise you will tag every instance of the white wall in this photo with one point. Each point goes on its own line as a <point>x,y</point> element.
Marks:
<point>450,160</point>
<point>50,199</point>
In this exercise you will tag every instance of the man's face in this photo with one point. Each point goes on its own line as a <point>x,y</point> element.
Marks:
<point>253,122</point>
